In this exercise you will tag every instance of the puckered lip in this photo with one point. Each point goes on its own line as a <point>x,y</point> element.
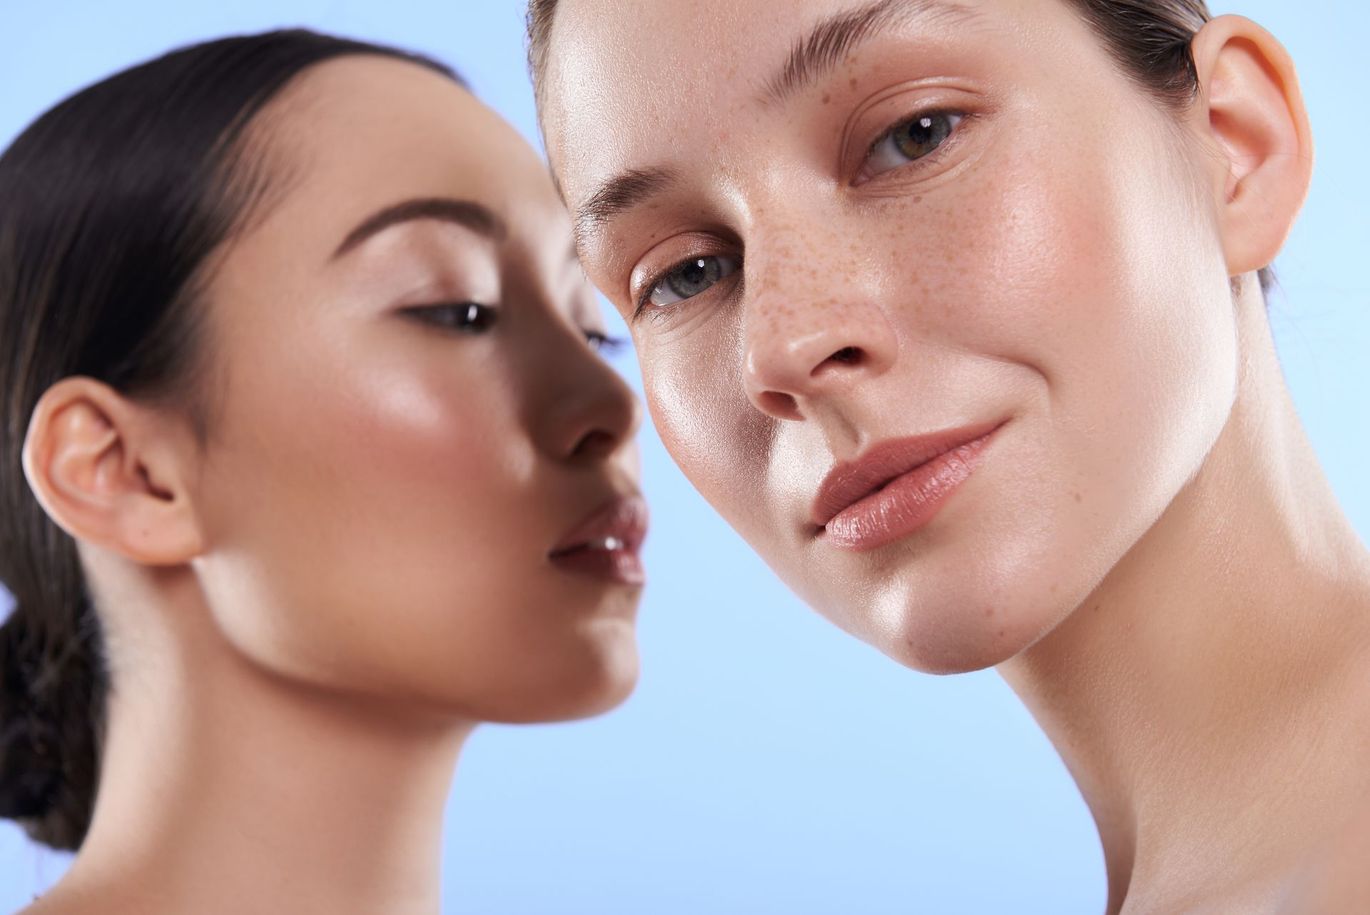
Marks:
<point>851,481</point>
<point>617,525</point>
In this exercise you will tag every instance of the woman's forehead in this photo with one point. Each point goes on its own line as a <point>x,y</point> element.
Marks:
<point>699,93</point>
<point>658,79</point>
<point>370,113</point>
<point>337,135</point>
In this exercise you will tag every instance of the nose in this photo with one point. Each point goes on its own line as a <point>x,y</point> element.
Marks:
<point>591,414</point>
<point>801,348</point>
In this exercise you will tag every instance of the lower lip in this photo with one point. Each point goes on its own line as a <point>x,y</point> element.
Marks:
<point>619,566</point>
<point>907,502</point>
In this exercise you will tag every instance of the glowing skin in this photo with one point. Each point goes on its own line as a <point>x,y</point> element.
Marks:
<point>972,216</point>
<point>446,454</point>
<point>307,615</point>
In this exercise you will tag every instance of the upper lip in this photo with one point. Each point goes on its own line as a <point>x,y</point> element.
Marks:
<point>624,518</point>
<point>851,481</point>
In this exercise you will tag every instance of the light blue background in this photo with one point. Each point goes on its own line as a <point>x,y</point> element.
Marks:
<point>768,763</point>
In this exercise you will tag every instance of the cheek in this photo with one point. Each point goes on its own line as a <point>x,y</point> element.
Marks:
<point>698,404</point>
<point>399,448</point>
<point>370,511</point>
<point>1090,279</point>
<point>1088,267</point>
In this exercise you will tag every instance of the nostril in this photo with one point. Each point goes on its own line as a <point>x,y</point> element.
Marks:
<point>780,404</point>
<point>595,444</point>
<point>847,355</point>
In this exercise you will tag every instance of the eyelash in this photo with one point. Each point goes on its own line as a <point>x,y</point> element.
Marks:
<point>436,313</point>
<point>644,302</point>
<point>605,344</point>
<point>959,119</point>
<point>600,342</point>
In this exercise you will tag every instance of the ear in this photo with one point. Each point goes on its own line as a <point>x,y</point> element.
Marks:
<point>110,473</point>
<point>1255,115</point>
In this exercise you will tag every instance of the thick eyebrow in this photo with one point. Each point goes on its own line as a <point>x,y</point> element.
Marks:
<point>622,192</point>
<point>475,216</point>
<point>833,39</point>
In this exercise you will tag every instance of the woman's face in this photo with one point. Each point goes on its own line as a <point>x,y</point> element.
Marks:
<point>945,257</point>
<point>420,481</point>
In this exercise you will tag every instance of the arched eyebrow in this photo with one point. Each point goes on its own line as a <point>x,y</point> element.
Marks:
<point>830,41</point>
<point>475,216</point>
<point>622,192</point>
<point>823,47</point>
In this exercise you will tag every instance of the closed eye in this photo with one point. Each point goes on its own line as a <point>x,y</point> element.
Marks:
<point>465,317</point>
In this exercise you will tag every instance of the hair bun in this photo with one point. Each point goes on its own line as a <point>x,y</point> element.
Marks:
<point>47,742</point>
<point>29,771</point>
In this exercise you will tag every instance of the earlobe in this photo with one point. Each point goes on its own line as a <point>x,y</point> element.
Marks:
<point>96,466</point>
<point>1257,120</point>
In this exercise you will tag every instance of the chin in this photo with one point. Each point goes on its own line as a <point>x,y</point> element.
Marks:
<point>951,636</point>
<point>585,682</point>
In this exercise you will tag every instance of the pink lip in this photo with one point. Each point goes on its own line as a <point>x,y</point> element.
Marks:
<point>897,486</point>
<point>606,544</point>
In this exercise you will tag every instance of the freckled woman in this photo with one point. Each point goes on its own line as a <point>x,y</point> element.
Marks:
<point>319,470</point>
<point>954,309</point>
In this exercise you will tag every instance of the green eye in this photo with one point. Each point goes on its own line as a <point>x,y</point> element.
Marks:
<point>911,140</point>
<point>467,317</point>
<point>689,278</point>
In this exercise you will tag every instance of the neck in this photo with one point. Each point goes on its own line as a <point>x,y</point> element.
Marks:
<point>227,789</point>
<point>1205,696</point>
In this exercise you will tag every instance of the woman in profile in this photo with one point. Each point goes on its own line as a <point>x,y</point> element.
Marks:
<point>307,466</point>
<point>954,309</point>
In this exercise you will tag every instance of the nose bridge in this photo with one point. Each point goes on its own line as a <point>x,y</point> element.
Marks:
<point>811,320</point>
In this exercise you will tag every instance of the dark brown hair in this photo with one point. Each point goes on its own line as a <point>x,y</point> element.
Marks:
<point>111,204</point>
<point>1148,38</point>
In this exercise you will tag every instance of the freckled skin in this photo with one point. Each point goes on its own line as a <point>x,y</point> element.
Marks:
<point>1037,270</point>
<point>1148,551</point>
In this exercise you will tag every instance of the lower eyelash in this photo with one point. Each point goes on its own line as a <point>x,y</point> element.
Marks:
<point>644,302</point>
<point>645,306</point>
<point>606,344</point>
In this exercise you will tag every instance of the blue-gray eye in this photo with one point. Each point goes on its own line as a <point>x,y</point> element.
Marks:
<point>911,141</point>
<point>467,317</point>
<point>689,278</point>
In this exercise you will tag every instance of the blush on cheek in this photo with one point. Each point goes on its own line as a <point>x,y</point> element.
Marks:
<point>375,439</point>
<point>438,436</point>
<point>369,504</point>
<point>1005,250</point>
